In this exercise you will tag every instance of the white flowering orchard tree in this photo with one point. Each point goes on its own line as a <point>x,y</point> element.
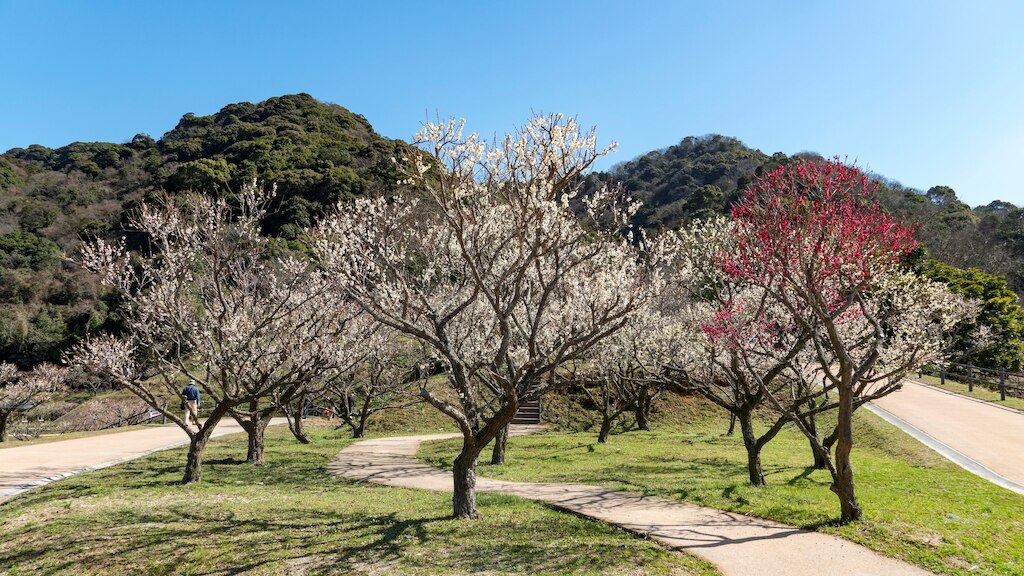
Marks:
<point>494,272</point>
<point>736,343</point>
<point>812,238</point>
<point>20,391</point>
<point>212,307</point>
<point>380,375</point>
<point>624,373</point>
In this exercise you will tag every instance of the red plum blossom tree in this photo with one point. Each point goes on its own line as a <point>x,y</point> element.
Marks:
<point>812,238</point>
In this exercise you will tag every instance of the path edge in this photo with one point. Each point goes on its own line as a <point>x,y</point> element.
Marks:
<point>945,450</point>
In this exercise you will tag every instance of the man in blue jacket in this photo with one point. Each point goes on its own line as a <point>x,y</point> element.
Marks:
<point>190,399</point>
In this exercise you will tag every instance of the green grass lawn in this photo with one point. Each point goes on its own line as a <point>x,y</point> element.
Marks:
<point>290,517</point>
<point>980,392</point>
<point>918,506</point>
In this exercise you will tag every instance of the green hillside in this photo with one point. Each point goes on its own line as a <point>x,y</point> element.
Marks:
<point>702,175</point>
<point>316,153</point>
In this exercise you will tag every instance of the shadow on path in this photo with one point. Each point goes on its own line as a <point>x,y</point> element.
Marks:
<point>738,545</point>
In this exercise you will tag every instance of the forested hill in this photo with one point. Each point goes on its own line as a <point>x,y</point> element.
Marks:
<point>704,175</point>
<point>316,153</point>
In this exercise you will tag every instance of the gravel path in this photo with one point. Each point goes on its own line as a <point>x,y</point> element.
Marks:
<point>26,467</point>
<point>738,545</point>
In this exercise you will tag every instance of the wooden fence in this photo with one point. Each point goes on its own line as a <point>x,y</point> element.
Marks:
<point>1007,383</point>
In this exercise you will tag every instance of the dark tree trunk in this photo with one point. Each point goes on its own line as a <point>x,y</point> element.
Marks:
<point>753,448</point>
<point>606,428</point>
<point>299,430</point>
<point>359,430</point>
<point>4,416</point>
<point>257,435</point>
<point>642,411</point>
<point>810,422</point>
<point>464,473</point>
<point>500,443</point>
<point>194,462</point>
<point>842,482</point>
<point>732,425</point>
<point>295,425</point>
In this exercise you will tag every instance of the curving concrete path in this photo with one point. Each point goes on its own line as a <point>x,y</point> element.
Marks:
<point>738,545</point>
<point>25,467</point>
<point>981,437</point>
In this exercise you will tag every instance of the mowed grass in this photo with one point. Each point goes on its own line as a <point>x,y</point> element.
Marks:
<point>980,392</point>
<point>291,517</point>
<point>918,506</point>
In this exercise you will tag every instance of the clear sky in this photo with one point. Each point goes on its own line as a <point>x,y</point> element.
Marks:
<point>925,92</point>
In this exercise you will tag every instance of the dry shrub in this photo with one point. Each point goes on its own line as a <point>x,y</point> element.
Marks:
<point>100,413</point>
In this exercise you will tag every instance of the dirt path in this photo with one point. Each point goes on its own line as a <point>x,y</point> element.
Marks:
<point>971,431</point>
<point>738,545</point>
<point>26,467</point>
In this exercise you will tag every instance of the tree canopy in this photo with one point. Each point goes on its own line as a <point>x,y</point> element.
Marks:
<point>319,154</point>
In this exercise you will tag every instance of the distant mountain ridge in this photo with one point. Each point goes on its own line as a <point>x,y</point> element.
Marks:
<point>705,175</point>
<point>318,154</point>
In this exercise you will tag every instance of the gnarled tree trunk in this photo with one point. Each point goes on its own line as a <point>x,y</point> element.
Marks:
<point>295,424</point>
<point>464,474</point>
<point>606,428</point>
<point>256,427</point>
<point>500,443</point>
<point>196,446</point>
<point>4,417</point>
<point>642,411</point>
<point>810,423</point>
<point>750,442</point>
<point>842,481</point>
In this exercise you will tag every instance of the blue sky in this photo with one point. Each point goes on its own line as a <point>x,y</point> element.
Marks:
<point>924,92</point>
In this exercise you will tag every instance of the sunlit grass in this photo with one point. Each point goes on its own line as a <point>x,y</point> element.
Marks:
<point>290,517</point>
<point>918,506</point>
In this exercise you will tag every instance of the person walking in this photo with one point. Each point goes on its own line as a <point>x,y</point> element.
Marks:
<point>190,402</point>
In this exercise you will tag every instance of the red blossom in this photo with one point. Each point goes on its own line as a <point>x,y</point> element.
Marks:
<point>815,225</point>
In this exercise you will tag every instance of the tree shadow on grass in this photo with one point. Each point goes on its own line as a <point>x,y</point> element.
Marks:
<point>144,540</point>
<point>224,461</point>
<point>126,540</point>
<point>804,477</point>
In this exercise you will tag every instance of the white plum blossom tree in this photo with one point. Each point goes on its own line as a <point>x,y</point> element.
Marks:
<point>22,390</point>
<point>379,374</point>
<point>493,272</point>
<point>212,306</point>
<point>624,373</point>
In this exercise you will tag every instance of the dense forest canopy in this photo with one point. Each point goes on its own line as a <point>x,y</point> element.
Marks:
<point>706,174</point>
<point>315,153</point>
<point>318,154</point>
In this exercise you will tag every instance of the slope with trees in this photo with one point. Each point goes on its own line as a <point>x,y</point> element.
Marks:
<point>317,153</point>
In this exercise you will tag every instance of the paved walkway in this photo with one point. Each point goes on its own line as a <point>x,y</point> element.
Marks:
<point>738,545</point>
<point>26,467</point>
<point>980,436</point>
